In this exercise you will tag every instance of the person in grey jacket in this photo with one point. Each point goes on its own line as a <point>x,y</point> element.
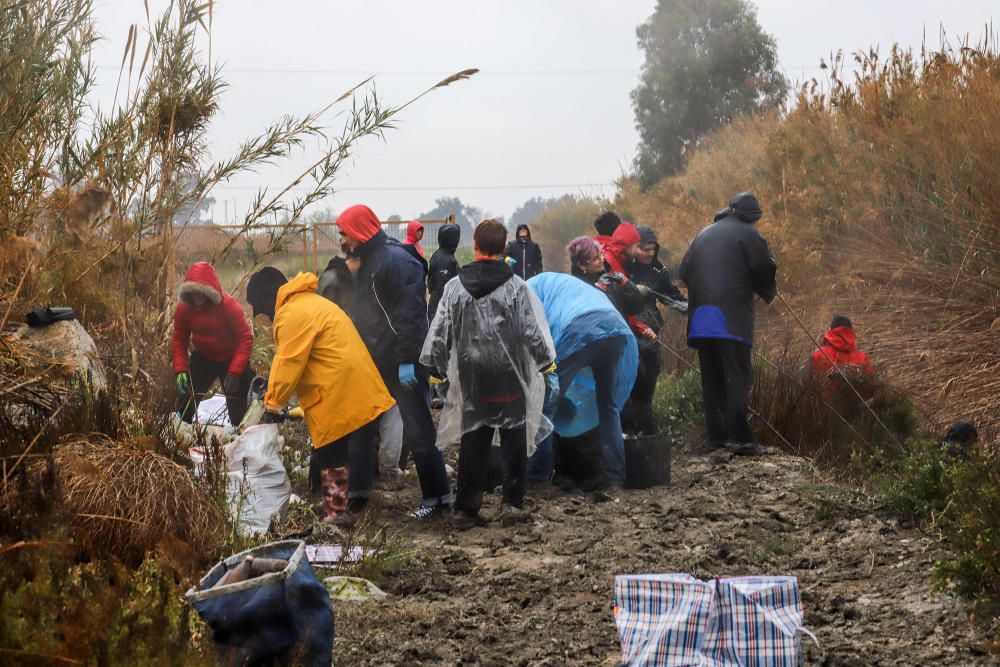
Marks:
<point>726,266</point>
<point>491,338</point>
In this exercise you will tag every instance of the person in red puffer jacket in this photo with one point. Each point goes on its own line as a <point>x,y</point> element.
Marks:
<point>839,349</point>
<point>215,326</point>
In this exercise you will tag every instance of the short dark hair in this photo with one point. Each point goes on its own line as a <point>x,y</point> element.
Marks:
<point>490,237</point>
<point>607,223</point>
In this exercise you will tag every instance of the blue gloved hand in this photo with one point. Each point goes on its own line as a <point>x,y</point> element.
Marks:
<point>407,376</point>
<point>551,387</point>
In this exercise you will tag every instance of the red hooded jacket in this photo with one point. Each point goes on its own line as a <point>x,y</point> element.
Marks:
<point>359,222</point>
<point>412,228</point>
<point>838,349</point>
<point>614,250</point>
<point>625,235</point>
<point>218,331</point>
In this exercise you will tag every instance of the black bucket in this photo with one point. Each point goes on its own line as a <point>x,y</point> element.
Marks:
<point>647,461</point>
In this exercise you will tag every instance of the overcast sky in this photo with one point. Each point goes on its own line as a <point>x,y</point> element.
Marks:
<point>548,114</point>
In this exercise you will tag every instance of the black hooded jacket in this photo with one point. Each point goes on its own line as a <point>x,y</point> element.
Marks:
<point>443,265</point>
<point>527,253</point>
<point>656,277</point>
<point>725,266</point>
<point>390,310</point>
<point>482,277</point>
<point>337,284</point>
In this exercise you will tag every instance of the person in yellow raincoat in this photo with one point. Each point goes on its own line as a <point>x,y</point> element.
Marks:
<point>320,357</point>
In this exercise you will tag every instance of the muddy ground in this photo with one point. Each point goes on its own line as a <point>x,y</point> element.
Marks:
<point>542,593</point>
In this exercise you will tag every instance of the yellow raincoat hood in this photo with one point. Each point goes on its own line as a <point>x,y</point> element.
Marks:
<point>320,357</point>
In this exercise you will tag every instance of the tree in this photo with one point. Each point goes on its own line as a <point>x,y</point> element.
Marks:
<point>707,61</point>
<point>466,216</point>
<point>534,208</point>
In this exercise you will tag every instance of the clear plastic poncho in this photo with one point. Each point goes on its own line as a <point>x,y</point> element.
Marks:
<point>493,350</point>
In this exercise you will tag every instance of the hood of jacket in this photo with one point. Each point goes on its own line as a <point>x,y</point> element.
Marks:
<point>647,235</point>
<point>303,282</point>
<point>201,279</point>
<point>449,236</point>
<point>745,207</point>
<point>483,276</point>
<point>614,250</point>
<point>517,232</point>
<point>359,222</point>
<point>842,339</point>
<point>413,227</point>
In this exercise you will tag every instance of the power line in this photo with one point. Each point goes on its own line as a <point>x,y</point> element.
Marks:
<point>302,70</point>
<point>430,187</point>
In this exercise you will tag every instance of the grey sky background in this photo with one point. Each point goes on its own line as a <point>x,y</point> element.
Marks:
<point>549,113</point>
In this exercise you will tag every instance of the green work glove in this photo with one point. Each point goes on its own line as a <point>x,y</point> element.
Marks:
<point>183,383</point>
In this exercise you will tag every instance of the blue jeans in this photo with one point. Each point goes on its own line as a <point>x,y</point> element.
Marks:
<point>603,357</point>
<point>420,434</point>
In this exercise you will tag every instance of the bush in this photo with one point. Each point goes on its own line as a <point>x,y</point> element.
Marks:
<point>825,419</point>
<point>677,403</point>
<point>961,499</point>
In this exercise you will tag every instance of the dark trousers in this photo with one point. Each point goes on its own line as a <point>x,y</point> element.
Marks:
<point>421,435</point>
<point>638,417</point>
<point>474,466</point>
<point>726,378</point>
<point>603,357</point>
<point>357,451</point>
<point>203,373</point>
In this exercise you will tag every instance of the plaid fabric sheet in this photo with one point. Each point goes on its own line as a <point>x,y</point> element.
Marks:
<point>676,620</point>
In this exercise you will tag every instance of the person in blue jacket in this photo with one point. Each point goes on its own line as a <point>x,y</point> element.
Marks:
<point>727,264</point>
<point>390,313</point>
<point>596,359</point>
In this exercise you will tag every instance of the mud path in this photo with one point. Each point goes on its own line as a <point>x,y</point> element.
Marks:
<point>541,593</point>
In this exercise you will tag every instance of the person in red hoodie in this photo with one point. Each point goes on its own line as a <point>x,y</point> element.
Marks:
<point>619,252</point>
<point>839,349</point>
<point>215,326</point>
<point>414,235</point>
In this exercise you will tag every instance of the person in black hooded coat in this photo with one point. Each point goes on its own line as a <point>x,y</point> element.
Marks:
<point>443,265</point>
<point>526,253</point>
<point>648,270</point>
<point>725,266</point>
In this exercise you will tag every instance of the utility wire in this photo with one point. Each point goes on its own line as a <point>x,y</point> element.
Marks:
<point>435,187</point>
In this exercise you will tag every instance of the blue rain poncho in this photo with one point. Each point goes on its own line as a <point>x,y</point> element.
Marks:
<point>490,338</point>
<point>580,314</point>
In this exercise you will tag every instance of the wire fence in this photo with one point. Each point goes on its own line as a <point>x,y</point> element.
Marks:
<point>290,248</point>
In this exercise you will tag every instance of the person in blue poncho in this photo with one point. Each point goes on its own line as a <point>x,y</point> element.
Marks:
<point>596,357</point>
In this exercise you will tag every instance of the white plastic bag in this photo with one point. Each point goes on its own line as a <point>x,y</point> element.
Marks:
<point>212,411</point>
<point>258,487</point>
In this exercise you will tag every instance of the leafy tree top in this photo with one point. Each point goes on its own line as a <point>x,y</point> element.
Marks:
<point>707,62</point>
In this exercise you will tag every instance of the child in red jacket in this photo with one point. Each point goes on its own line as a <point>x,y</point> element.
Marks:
<point>839,349</point>
<point>214,324</point>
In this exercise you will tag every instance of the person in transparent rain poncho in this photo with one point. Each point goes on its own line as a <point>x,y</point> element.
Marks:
<point>490,338</point>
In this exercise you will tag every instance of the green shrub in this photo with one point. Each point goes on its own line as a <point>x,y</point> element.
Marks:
<point>961,499</point>
<point>677,403</point>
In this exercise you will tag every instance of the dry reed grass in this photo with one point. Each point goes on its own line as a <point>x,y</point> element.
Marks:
<point>126,502</point>
<point>881,202</point>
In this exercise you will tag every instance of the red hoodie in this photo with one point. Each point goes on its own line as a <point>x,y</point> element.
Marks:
<point>359,222</point>
<point>218,331</point>
<point>614,250</point>
<point>412,228</point>
<point>838,349</point>
<point>625,235</point>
